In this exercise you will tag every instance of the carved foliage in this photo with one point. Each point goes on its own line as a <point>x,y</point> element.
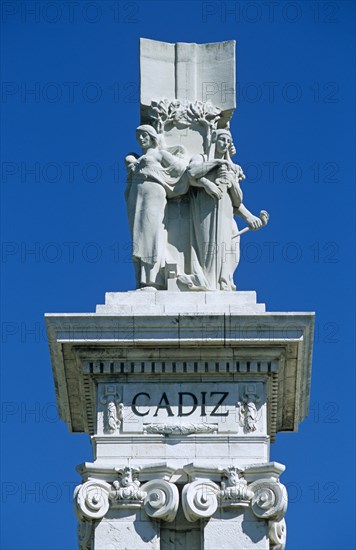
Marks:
<point>267,498</point>
<point>126,491</point>
<point>183,112</point>
<point>234,491</point>
<point>180,429</point>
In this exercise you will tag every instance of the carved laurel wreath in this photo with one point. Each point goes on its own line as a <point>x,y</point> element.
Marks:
<point>185,113</point>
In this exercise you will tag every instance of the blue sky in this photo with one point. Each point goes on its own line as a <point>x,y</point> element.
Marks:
<point>70,109</point>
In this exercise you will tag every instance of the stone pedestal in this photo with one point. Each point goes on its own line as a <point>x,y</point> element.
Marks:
<point>181,394</point>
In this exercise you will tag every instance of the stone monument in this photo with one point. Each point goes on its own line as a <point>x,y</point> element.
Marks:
<point>183,383</point>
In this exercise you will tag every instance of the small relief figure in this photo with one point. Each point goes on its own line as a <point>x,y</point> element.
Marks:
<point>112,420</point>
<point>153,177</point>
<point>114,410</point>
<point>114,414</point>
<point>216,196</point>
<point>247,410</point>
<point>250,416</point>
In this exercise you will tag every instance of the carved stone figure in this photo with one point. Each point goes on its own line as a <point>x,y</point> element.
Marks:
<point>152,178</point>
<point>114,410</point>
<point>214,201</point>
<point>212,248</point>
<point>184,191</point>
<point>247,408</point>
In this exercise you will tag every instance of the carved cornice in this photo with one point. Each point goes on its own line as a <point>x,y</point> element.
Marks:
<point>85,347</point>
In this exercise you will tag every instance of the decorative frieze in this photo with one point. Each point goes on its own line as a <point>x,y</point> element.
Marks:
<point>276,347</point>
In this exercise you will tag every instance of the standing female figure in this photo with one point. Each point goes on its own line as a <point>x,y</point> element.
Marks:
<point>152,178</point>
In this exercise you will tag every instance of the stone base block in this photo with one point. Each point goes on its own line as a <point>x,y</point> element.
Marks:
<point>159,302</point>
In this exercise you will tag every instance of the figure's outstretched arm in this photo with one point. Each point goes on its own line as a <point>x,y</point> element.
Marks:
<point>252,221</point>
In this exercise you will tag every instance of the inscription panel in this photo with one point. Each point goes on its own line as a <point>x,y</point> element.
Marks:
<point>184,408</point>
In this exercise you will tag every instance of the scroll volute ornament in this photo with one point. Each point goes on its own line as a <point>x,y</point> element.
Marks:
<point>161,500</point>
<point>278,534</point>
<point>200,499</point>
<point>269,499</point>
<point>91,499</point>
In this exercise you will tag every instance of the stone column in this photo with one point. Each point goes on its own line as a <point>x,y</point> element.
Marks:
<point>181,404</point>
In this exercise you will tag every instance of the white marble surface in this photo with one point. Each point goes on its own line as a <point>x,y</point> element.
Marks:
<point>153,302</point>
<point>183,71</point>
